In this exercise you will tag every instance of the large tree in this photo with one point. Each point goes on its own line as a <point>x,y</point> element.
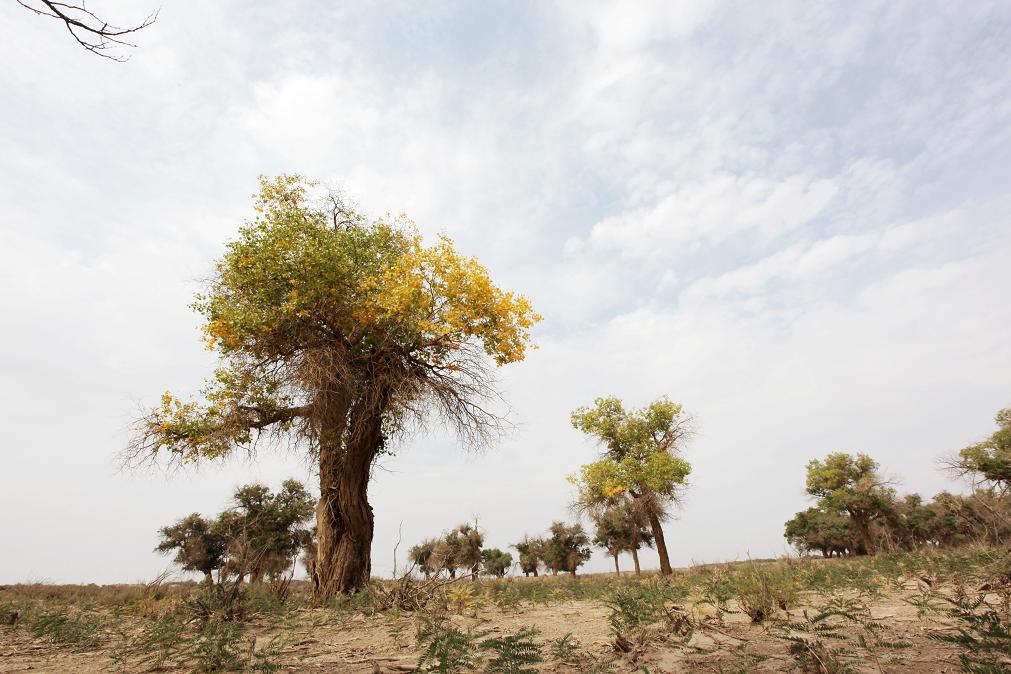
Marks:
<point>641,459</point>
<point>850,484</point>
<point>337,333</point>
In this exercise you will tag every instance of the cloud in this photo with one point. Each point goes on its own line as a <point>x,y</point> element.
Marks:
<point>791,218</point>
<point>707,214</point>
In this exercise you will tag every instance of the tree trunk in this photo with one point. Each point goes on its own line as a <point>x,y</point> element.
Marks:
<point>635,560</point>
<point>208,578</point>
<point>616,569</point>
<point>661,544</point>
<point>865,534</point>
<point>344,520</point>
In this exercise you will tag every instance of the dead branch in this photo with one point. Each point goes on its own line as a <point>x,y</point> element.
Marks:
<point>90,31</point>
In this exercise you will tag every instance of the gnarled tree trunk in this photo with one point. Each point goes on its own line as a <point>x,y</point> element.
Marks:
<point>344,519</point>
<point>616,569</point>
<point>635,560</point>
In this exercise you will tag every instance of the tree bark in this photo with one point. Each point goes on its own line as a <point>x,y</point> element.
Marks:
<point>208,578</point>
<point>616,569</point>
<point>661,544</point>
<point>865,534</point>
<point>344,519</point>
<point>635,560</point>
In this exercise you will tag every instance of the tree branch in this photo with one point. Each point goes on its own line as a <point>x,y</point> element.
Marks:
<point>91,32</point>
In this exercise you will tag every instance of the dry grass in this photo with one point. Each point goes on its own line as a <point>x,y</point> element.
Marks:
<point>891,613</point>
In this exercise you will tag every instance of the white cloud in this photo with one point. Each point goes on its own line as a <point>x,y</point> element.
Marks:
<point>792,218</point>
<point>708,213</point>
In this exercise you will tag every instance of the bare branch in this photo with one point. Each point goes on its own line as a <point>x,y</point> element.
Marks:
<point>90,31</point>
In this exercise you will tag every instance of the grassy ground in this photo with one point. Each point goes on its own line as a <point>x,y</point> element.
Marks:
<point>927,611</point>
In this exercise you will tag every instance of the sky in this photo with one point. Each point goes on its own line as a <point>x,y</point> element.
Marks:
<point>792,218</point>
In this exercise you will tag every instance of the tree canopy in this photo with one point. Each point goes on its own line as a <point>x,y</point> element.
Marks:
<point>990,460</point>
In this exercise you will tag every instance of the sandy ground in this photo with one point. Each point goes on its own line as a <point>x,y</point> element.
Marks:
<point>316,640</point>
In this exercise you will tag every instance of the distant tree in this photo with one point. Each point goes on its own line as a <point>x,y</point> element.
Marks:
<point>847,483</point>
<point>94,34</point>
<point>641,459</point>
<point>531,551</point>
<point>421,555</point>
<point>622,527</point>
<point>198,546</point>
<point>815,529</point>
<point>469,542</point>
<point>495,562</point>
<point>566,548</point>
<point>338,333</point>
<point>266,531</point>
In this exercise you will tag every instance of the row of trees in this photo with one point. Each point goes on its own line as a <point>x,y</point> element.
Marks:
<point>565,548</point>
<point>627,494</point>
<point>619,528</point>
<point>858,512</point>
<point>260,535</point>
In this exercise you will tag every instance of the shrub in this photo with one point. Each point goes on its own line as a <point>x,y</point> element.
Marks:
<point>762,589</point>
<point>638,604</point>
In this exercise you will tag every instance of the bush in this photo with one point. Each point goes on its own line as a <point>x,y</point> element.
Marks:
<point>639,604</point>
<point>762,589</point>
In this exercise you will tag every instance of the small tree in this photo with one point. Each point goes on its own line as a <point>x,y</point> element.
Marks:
<point>496,562</point>
<point>421,555</point>
<point>851,484</point>
<point>641,459</point>
<point>266,531</point>
<point>531,551</point>
<point>198,546</point>
<point>339,334</point>
<point>567,548</point>
<point>620,528</point>
<point>827,532</point>
<point>468,544</point>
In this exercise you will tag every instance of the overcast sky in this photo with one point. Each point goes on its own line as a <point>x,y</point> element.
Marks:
<point>793,218</point>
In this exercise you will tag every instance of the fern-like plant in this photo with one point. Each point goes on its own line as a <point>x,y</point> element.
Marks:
<point>512,654</point>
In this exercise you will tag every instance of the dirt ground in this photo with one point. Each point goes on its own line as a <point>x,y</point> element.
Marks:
<point>318,640</point>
